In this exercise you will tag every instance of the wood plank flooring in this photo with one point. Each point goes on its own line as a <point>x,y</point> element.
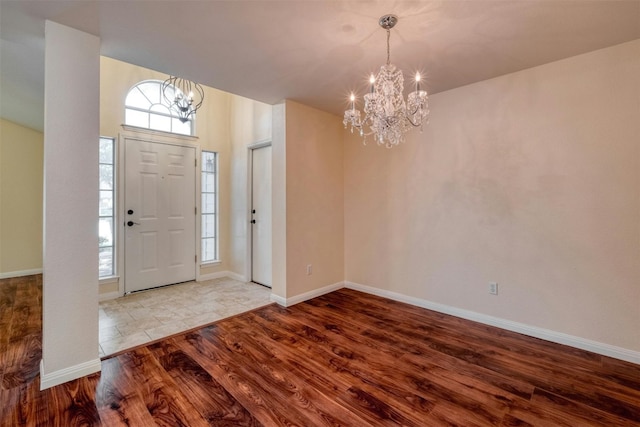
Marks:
<point>345,358</point>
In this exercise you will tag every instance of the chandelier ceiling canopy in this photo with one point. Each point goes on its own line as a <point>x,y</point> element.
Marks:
<point>387,116</point>
<point>184,97</point>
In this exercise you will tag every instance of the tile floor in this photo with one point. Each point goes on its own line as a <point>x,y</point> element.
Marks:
<point>146,316</point>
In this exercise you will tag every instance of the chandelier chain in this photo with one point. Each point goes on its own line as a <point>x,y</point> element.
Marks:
<point>388,48</point>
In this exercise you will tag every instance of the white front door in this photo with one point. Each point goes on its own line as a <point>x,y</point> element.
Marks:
<point>261,216</point>
<point>159,214</point>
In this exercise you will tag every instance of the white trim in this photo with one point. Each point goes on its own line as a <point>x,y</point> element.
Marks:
<point>119,216</point>
<point>68,374</point>
<point>260,144</point>
<point>155,137</point>
<point>533,331</point>
<point>109,279</point>
<point>278,299</point>
<point>248,229</point>
<point>248,268</point>
<point>211,276</point>
<point>158,137</point>
<point>198,189</point>
<point>236,276</point>
<point>160,133</point>
<point>20,273</point>
<point>109,296</point>
<point>288,302</point>
<point>219,274</point>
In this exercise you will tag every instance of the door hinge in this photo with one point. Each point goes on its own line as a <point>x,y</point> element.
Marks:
<point>195,210</point>
<point>196,259</point>
<point>195,162</point>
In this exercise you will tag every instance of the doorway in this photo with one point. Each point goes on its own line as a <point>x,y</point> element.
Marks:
<point>261,215</point>
<point>159,214</point>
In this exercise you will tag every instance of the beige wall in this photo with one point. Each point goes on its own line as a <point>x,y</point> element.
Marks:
<point>117,78</point>
<point>531,180</point>
<point>314,199</point>
<point>212,129</point>
<point>21,156</point>
<point>308,192</point>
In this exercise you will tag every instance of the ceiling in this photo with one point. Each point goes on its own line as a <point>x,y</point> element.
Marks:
<point>312,51</point>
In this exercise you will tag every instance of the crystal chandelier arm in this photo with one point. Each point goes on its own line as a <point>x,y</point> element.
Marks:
<point>413,123</point>
<point>417,108</point>
<point>420,118</point>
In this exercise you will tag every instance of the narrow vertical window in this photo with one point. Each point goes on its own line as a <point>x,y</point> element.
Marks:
<point>209,208</point>
<point>106,208</point>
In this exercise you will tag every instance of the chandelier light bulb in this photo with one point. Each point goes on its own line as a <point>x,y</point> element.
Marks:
<point>387,115</point>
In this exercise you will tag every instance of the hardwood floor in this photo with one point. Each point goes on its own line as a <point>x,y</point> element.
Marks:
<point>345,358</point>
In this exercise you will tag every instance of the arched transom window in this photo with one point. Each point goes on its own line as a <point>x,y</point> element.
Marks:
<point>145,107</point>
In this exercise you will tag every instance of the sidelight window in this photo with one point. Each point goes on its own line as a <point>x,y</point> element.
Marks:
<point>209,206</point>
<point>106,208</point>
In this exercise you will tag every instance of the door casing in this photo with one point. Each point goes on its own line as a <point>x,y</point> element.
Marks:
<point>249,258</point>
<point>120,217</point>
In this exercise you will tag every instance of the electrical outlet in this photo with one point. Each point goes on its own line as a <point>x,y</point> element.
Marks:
<point>493,288</point>
<point>308,269</point>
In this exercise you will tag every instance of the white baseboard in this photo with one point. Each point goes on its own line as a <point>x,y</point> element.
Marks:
<point>533,331</point>
<point>68,374</point>
<point>278,299</point>
<point>288,302</point>
<point>109,296</point>
<point>211,276</point>
<point>236,276</point>
<point>20,273</point>
<point>219,274</point>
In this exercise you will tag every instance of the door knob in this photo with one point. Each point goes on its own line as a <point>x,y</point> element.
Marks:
<point>130,223</point>
<point>130,211</point>
<point>253,221</point>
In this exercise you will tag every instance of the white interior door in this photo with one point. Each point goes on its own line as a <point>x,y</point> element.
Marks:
<point>159,214</point>
<point>261,216</point>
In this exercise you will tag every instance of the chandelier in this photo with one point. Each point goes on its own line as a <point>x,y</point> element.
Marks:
<point>387,115</point>
<point>183,96</point>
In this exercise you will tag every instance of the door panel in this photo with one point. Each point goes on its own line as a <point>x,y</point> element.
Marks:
<point>148,193</point>
<point>261,216</point>
<point>160,243</point>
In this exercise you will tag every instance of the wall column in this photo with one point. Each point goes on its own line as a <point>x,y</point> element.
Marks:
<point>279,205</point>
<point>70,265</point>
